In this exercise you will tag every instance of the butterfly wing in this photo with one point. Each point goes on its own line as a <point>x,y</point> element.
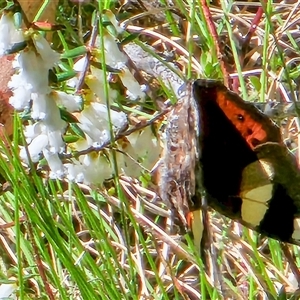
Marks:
<point>244,163</point>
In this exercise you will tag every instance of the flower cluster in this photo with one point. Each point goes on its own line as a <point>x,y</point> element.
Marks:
<point>9,34</point>
<point>46,130</point>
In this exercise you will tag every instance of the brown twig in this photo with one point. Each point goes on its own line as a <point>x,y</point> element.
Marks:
<point>88,56</point>
<point>252,29</point>
<point>117,137</point>
<point>291,261</point>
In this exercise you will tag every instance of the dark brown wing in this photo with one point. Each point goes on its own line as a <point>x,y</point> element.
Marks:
<point>242,159</point>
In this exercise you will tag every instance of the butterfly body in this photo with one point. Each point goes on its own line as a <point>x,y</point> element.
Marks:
<point>247,172</point>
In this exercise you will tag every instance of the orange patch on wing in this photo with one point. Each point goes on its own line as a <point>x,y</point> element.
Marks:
<point>244,123</point>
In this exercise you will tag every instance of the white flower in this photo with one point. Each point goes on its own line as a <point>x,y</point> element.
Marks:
<point>118,119</point>
<point>49,56</point>
<point>32,131</point>
<point>96,168</point>
<point>142,149</point>
<point>96,83</point>
<point>40,138</point>
<point>56,142</point>
<point>34,71</point>
<point>20,98</point>
<point>21,91</point>
<point>100,113</point>
<point>35,64</point>
<point>39,103</point>
<point>44,108</point>
<point>54,134</point>
<point>127,161</point>
<point>93,133</point>
<point>72,103</point>
<point>113,53</point>
<point>97,138</point>
<point>8,291</point>
<point>75,172</point>
<point>9,35</point>
<point>94,122</point>
<point>134,90</point>
<point>146,147</point>
<point>17,80</point>
<point>55,164</point>
<point>35,148</point>
<point>81,144</point>
<point>53,120</point>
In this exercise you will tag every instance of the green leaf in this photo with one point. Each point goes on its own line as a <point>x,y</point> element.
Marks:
<point>129,38</point>
<point>68,117</point>
<point>255,82</point>
<point>17,47</point>
<point>71,138</point>
<point>77,130</point>
<point>61,77</point>
<point>74,52</point>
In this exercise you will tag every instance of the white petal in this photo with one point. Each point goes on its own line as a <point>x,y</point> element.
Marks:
<point>17,80</point>
<point>44,108</point>
<point>56,141</point>
<point>49,56</point>
<point>55,164</point>
<point>95,83</point>
<point>9,35</point>
<point>134,90</point>
<point>146,147</point>
<point>94,122</point>
<point>54,121</point>
<point>75,172</point>
<point>119,119</point>
<point>39,106</point>
<point>96,169</point>
<point>113,53</point>
<point>72,103</point>
<point>96,137</point>
<point>35,71</point>
<point>32,131</point>
<point>35,148</point>
<point>8,291</point>
<point>79,65</point>
<point>21,98</point>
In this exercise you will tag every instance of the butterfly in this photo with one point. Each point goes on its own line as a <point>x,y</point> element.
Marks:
<point>246,171</point>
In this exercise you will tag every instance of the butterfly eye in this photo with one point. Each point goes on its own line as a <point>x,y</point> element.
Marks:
<point>240,117</point>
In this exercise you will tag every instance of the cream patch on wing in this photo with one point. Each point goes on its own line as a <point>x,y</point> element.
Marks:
<point>256,191</point>
<point>296,233</point>
<point>255,204</point>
